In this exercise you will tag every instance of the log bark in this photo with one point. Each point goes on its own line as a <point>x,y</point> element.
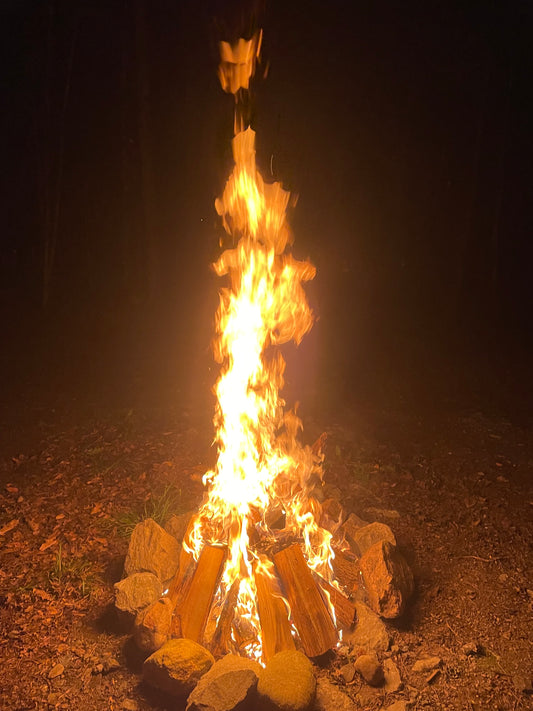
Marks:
<point>219,643</point>
<point>309,612</point>
<point>180,583</point>
<point>193,609</point>
<point>344,609</point>
<point>273,615</point>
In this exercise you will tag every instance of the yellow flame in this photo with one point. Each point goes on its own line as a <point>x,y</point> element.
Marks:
<point>261,464</point>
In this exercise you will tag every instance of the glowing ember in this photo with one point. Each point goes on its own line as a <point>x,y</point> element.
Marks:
<point>261,467</point>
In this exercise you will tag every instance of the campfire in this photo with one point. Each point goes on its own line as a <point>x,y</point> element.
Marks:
<point>265,566</point>
<point>257,570</point>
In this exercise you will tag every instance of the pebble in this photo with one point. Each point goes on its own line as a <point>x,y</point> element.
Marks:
<point>370,669</point>
<point>427,664</point>
<point>393,680</point>
<point>330,697</point>
<point>56,671</point>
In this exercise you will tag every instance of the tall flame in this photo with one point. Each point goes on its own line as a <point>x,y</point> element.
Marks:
<point>261,465</point>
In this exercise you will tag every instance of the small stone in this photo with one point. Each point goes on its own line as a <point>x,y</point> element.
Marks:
<point>388,579</point>
<point>470,649</point>
<point>110,664</point>
<point>152,550</point>
<point>330,698</point>
<point>56,671</point>
<point>370,669</point>
<point>369,634</point>
<point>230,684</point>
<point>427,664</point>
<point>134,593</point>
<point>347,672</point>
<point>130,705</point>
<point>288,681</point>
<point>393,681</point>
<point>177,525</point>
<point>152,625</point>
<point>366,536</point>
<point>399,706</point>
<point>524,684</point>
<point>177,666</point>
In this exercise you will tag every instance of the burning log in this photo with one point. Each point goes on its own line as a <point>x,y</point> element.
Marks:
<point>344,609</point>
<point>219,644</point>
<point>180,583</point>
<point>310,614</point>
<point>273,615</point>
<point>193,609</point>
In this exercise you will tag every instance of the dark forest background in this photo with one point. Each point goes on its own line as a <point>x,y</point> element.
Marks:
<point>405,128</point>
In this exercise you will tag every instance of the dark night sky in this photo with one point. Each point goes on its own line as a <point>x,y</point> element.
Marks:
<point>405,128</point>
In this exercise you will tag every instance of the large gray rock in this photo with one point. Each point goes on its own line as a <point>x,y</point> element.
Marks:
<point>369,633</point>
<point>152,626</point>
<point>366,536</point>
<point>288,682</point>
<point>177,666</point>
<point>152,550</point>
<point>134,593</point>
<point>230,684</point>
<point>388,579</point>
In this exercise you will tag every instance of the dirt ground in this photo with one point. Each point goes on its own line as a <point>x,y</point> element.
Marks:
<point>452,477</point>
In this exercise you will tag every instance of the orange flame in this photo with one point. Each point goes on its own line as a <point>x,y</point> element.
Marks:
<point>261,465</point>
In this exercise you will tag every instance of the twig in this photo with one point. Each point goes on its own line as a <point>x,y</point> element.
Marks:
<point>452,630</point>
<point>484,560</point>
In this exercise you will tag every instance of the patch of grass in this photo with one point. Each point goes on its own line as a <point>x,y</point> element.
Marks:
<point>490,662</point>
<point>160,508</point>
<point>72,575</point>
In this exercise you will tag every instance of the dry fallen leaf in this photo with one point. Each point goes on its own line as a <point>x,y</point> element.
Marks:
<point>12,489</point>
<point>101,541</point>
<point>9,526</point>
<point>42,594</point>
<point>33,525</point>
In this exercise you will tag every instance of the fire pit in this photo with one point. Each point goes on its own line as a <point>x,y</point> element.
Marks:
<point>265,566</point>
